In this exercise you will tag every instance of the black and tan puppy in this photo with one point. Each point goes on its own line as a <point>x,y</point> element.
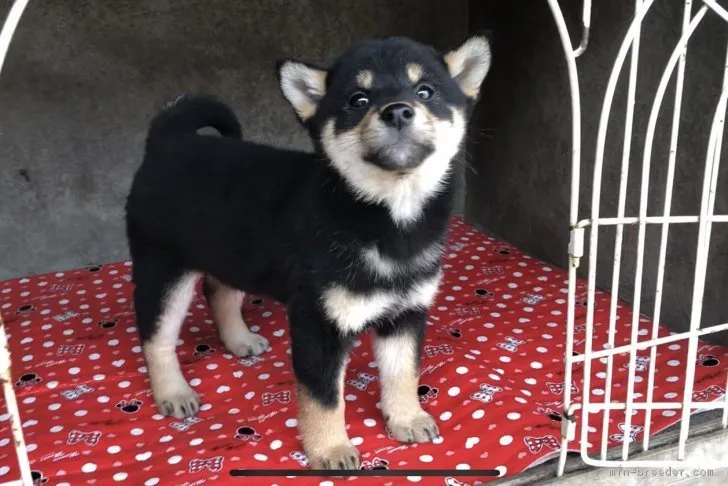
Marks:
<point>349,237</point>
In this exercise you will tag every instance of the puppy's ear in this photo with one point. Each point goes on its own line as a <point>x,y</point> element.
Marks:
<point>303,85</point>
<point>469,64</point>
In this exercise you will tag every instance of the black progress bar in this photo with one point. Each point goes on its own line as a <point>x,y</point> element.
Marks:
<point>364,473</point>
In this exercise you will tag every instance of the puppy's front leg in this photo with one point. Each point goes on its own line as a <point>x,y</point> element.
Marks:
<point>397,349</point>
<point>319,361</point>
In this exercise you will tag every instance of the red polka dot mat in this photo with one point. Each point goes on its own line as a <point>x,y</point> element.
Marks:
<point>492,374</point>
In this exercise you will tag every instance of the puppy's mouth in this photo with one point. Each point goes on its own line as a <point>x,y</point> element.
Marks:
<point>403,156</point>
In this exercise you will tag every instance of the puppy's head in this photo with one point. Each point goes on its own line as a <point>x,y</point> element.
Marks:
<point>389,114</point>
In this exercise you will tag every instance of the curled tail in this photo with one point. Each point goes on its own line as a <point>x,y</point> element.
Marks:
<point>187,114</point>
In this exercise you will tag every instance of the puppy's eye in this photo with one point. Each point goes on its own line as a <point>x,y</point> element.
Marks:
<point>425,92</point>
<point>358,100</point>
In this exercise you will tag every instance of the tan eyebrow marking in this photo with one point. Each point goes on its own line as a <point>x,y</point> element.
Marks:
<point>365,79</point>
<point>414,72</point>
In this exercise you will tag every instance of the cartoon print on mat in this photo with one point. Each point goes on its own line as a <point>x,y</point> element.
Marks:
<point>247,433</point>
<point>129,406</point>
<point>487,399</point>
<point>426,393</point>
<point>28,380</point>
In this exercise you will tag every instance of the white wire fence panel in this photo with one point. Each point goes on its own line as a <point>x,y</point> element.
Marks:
<point>6,35</point>
<point>693,16</point>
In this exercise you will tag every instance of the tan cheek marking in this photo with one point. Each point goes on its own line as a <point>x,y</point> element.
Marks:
<point>414,72</point>
<point>321,428</point>
<point>365,79</point>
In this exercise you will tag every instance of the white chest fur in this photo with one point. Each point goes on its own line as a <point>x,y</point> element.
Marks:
<point>352,311</point>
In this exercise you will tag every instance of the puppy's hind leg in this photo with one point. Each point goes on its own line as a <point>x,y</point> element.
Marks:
<point>226,305</point>
<point>161,297</point>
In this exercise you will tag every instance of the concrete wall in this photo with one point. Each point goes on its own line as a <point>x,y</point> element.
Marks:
<point>83,77</point>
<point>522,187</point>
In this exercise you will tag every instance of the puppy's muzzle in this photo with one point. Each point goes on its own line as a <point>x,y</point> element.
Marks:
<point>398,146</point>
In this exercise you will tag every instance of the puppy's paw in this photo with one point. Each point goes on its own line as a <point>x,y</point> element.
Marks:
<point>342,457</point>
<point>244,345</point>
<point>177,401</point>
<point>420,428</point>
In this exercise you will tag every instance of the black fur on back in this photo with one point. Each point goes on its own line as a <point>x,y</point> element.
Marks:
<point>258,218</point>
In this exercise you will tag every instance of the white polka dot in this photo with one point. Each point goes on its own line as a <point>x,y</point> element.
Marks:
<point>521,400</point>
<point>542,350</point>
<point>670,395</point>
<point>505,359</point>
<point>505,440</point>
<point>598,391</point>
<point>481,339</point>
<point>28,400</point>
<point>215,426</point>
<point>196,442</point>
<point>52,384</point>
<point>120,476</point>
<point>124,384</point>
<point>151,482</point>
<point>673,347</point>
<point>80,413</point>
<point>414,479</point>
<point>31,447</point>
<point>356,441</point>
<point>461,370</point>
<point>263,376</point>
<point>211,366</point>
<point>478,414</point>
<point>223,389</point>
<point>102,399</point>
<point>4,470</point>
<point>291,422</point>
<point>493,376</point>
<point>370,422</point>
<point>260,457</point>
<point>174,459</point>
<point>137,431</point>
<point>114,449</point>
<point>502,470</point>
<point>276,444</point>
<point>672,379</point>
<point>673,362</point>
<point>453,391</point>
<point>195,382</point>
<point>513,416</point>
<point>54,406</point>
<point>234,411</point>
<point>326,483</point>
<point>56,428</point>
<point>426,458</point>
<point>530,381</point>
<point>89,467</point>
<point>462,467</point>
<point>536,365</point>
<point>94,356</point>
<point>669,413</point>
<point>446,415</point>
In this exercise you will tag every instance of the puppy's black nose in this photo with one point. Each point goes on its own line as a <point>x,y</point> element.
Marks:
<point>397,115</point>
